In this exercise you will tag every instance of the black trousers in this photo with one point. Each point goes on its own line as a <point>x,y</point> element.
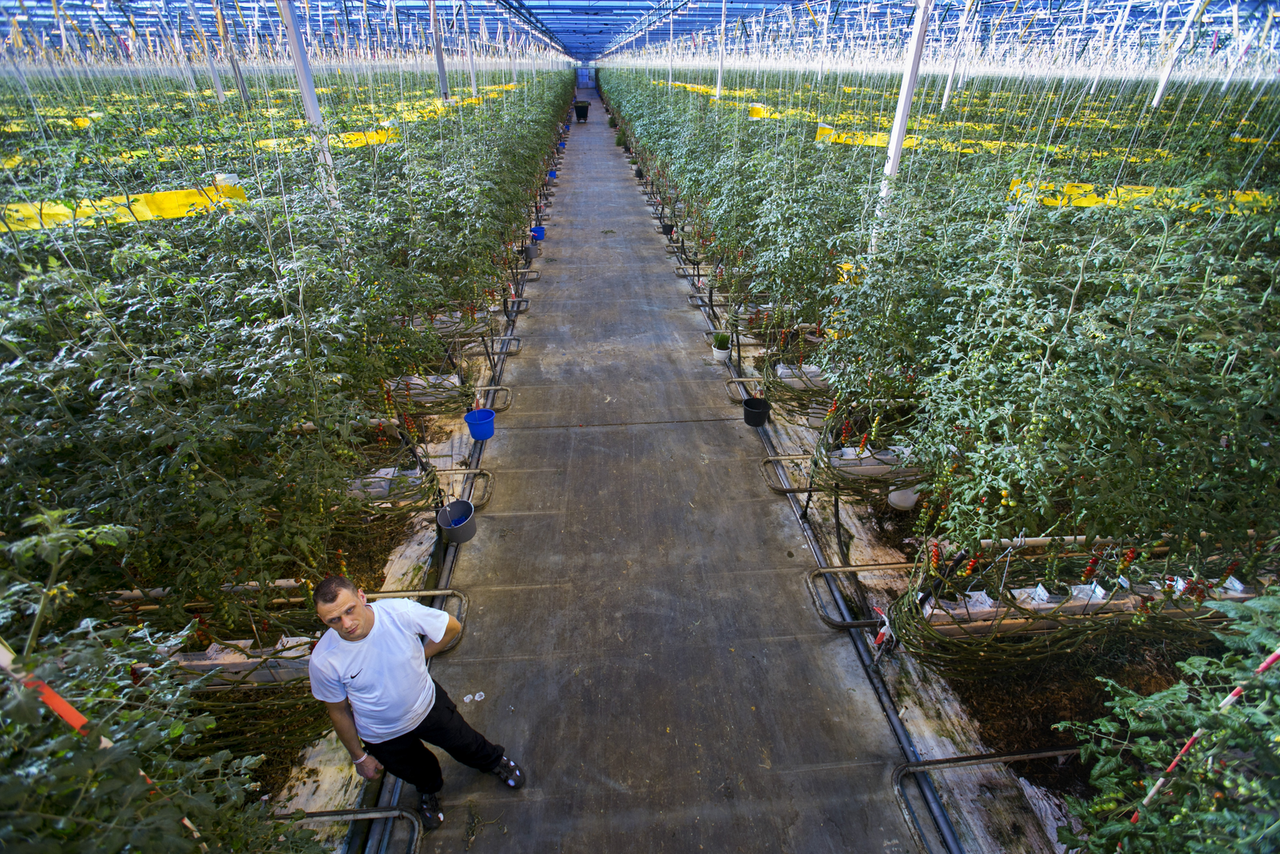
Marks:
<point>407,758</point>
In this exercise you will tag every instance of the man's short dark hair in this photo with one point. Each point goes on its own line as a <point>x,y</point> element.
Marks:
<point>327,591</point>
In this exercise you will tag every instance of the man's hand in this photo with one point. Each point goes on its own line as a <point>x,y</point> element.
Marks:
<point>451,631</point>
<point>344,724</point>
<point>368,768</point>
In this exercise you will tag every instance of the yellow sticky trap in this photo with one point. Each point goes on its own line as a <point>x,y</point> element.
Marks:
<point>1086,196</point>
<point>358,139</point>
<point>171,204</point>
<point>875,140</point>
<point>756,112</point>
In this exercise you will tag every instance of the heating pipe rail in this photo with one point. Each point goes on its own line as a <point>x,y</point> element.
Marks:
<point>927,765</point>
<point>415,821</point>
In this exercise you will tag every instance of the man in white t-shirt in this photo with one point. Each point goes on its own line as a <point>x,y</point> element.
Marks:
<point>370,670</point>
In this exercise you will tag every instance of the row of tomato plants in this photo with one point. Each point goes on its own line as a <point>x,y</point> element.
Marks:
<point>1103,371</point>
<point>200,389</point>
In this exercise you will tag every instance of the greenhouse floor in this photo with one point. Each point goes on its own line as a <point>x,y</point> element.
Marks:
<point>639,626</point>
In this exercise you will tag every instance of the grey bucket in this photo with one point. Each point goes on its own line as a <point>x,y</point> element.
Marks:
<point>458,519</point>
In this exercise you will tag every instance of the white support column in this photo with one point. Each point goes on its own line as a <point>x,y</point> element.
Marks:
<point>471,55</point>
<point>822,49</point>
<point>724,11</point>
<point>198,30</point>
<point>671,48</point>
<point>438,50</point>
<point>909,76</point>
<point>1196,11</point>
<point>1258,29</point>
<point>955,60</point>
<point>310,104</point>
<point>228,45</point>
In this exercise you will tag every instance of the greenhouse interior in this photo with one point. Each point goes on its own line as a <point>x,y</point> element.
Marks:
<point>952,330</point>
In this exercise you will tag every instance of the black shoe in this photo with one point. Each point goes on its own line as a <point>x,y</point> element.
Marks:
<point>432,815</point>
<point>509,773</point>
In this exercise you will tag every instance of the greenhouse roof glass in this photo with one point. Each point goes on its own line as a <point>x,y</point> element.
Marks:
<point>586,30</point>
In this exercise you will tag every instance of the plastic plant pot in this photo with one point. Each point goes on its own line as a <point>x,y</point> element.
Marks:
<point>904,499</point>
<point>458,521</point>
<point>539,232</point>
<point>639,173</point>
<point>480,423</point>
<point>551,175</point>
<point>720,355</point>
<point>668,229</point>
<point>755,411</point>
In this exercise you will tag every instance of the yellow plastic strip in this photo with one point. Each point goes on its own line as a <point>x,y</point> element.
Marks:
<point>1136,197</point>
<point>171,204</point>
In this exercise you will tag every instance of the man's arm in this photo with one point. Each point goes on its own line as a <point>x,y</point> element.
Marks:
<point>451,631</point>
<point>344,724</point>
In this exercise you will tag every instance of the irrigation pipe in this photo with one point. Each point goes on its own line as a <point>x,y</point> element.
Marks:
<point>934,804</point>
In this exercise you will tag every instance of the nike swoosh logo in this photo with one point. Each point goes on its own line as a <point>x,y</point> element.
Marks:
<point>357,673</point>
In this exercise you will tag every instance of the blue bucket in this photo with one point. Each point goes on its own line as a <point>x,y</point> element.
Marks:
<point>552,174</point>
<point>539,232</point>
<point>562,145</point>
<point>480,423</point>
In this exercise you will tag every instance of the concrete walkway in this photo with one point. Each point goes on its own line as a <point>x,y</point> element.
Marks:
<point>639,625</point>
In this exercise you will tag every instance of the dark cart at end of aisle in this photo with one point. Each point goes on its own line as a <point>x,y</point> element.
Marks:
<point>580,109</point>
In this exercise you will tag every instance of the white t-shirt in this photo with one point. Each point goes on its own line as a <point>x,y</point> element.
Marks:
<point>384,674</point>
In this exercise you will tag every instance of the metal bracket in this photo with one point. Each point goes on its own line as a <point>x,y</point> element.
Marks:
<point>508,339</point>
<point>415,821</point>
<point>920,770</point>
<point>766,465</point>
<point>477,475</point>
<point>823,613</point>
<point>700,300</point>
<point>736,384</point>
<point>497,407</point>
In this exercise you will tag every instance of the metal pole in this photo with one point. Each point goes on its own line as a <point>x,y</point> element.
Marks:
<point>955,60</point>
<point>724,10</point>
<point>198,29</point>
<point>1196,11</point>
<point>471,56</point>
<point>511,53</point>
<point>909,76</point>
<point>671,48</point>
<point>310,105</point>
<point>438,50</point>
<point>822,50</point>
<point>228,44</point>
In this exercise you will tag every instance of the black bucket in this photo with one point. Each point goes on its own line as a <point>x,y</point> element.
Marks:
<point>668,229</point>
<point>639,173</point>
<point>755,411</point>
<point>458,519</point>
